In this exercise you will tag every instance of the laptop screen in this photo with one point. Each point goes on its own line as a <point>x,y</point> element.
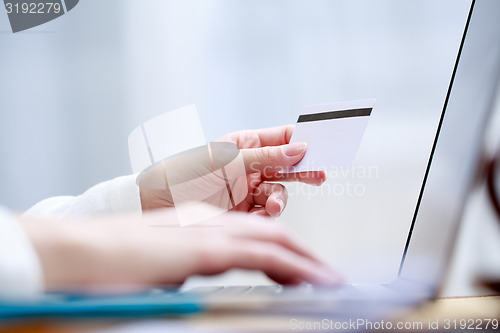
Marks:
<point>455,153</point>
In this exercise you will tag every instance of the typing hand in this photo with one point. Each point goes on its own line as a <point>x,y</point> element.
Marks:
<point>123,253</point>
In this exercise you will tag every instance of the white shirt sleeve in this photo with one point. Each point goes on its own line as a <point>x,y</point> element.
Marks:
<point>117,196</point>
<point>20,269</point>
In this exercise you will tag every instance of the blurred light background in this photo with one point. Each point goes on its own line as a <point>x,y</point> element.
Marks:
<point>73,89</point>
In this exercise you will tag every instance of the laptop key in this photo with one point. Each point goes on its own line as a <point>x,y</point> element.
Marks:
<point>265,290</point>
<point>300,289</point>
<point>204,290</point>
<point>234,290</point>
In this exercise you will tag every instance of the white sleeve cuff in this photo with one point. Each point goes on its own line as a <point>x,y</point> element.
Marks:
<point>125,196</point>
<point>118,196</point>
<point>21,274</point>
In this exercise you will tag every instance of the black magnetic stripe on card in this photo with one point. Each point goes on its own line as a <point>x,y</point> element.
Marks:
<point>335,115</point>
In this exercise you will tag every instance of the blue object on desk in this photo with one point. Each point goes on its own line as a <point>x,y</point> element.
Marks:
<point>131,305</point>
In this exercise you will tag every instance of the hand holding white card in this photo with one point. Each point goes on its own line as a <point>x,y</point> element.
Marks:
<point>333,133</point>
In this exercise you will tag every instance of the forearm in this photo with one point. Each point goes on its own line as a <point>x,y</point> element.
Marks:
<point>118,253</point>
<point>63,249</point>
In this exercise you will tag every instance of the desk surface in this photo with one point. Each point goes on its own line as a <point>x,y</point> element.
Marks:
<point>446,312</point>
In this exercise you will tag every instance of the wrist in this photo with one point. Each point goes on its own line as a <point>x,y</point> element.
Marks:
<point>64,250</point>
<point>155,199</point>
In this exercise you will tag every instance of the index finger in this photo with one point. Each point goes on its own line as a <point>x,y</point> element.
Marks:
<point>275,136</point>
<point>278,261</point>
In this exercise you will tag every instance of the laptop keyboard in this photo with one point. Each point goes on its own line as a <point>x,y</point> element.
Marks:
<point>349,291</point>
<point>262,290</point>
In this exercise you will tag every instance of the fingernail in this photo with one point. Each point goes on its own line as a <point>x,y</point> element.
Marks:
<point>282,205</point>
<point>294,149</point>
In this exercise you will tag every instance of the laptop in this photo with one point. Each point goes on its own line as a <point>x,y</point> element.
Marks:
<point>449,175</point>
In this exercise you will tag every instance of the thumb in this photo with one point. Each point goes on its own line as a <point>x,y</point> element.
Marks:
<point>273,158</point>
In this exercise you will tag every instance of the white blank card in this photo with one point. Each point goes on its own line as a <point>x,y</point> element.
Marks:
<point>333,133</point>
